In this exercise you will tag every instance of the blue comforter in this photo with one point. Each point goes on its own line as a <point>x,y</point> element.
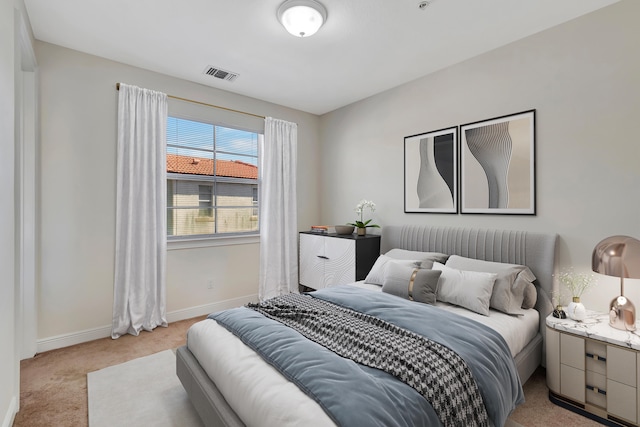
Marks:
<point>355,395</point>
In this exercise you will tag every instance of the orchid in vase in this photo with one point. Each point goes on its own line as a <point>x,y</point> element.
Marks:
<point>362,225</point>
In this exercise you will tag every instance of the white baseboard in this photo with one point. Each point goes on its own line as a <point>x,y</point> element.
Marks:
<point>201,310</point>
<point>66,340</point>
<point>11,413</point>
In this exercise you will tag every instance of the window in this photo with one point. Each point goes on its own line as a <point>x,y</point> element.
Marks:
<point>212,179</point>
<point>205,200</point>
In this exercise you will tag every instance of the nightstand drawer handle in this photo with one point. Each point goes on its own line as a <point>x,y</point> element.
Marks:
<point>597,390</point>
<point>596,357</point>
<point>323,257</point>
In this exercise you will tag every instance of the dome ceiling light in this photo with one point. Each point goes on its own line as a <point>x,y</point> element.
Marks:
<point>302,18</point>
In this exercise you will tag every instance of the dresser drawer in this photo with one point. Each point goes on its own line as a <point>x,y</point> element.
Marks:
<point>621,365</point>
<point>596,389</point>
<point>552,342</point>
<point>330,259</point>
<point>572,351</point>
<point>621,400</point>
<point>572,382</point>
<point>596,357</point>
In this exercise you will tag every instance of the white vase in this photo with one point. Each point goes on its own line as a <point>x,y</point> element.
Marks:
<point>576,310</point>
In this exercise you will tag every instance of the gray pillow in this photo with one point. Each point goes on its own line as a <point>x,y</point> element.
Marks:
<point>377,273</point>
<point>468,289</point>
<point>411,283</point>
<point>530,296</point>
<point>512,279</point>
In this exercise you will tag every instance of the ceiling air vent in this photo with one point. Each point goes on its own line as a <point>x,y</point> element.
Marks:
<point>219,73</point>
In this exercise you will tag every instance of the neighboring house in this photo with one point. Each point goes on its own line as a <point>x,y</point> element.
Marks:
<point>198,203</point>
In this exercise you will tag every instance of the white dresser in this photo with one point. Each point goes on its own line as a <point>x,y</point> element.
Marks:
<point>333,259</point>
<point>594,369</point>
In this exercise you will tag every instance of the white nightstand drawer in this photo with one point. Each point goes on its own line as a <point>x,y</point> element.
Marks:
<point>572,351</point>
<point>596,356</point>
<point>596,385</point>
<point>553,360</point>
<point>621,400</point>
<point>572,383</point>
<point>331,259</point>
<point>621,365</point>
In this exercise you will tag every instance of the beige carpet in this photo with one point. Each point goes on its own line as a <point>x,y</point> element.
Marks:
<point>538,411</point>
<point>142,392</point>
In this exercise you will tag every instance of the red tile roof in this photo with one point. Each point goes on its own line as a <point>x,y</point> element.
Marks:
<point>200,166</point>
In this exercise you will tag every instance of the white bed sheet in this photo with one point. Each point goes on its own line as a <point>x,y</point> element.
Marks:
<point>261,396</point>
<point>255,390</point>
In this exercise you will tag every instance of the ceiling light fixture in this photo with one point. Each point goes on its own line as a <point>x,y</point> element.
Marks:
<point>302,18</point>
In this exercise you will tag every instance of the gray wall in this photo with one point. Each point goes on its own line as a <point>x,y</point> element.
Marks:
<point>78,104</point>
<point>583,79</point>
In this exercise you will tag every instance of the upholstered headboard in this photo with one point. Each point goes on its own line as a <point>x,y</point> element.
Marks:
<point>535,250</point>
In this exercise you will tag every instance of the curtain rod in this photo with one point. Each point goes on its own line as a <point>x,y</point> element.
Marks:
<point>207,105</point>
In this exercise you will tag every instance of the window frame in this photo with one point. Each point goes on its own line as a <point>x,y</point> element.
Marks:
<point>216,239</point>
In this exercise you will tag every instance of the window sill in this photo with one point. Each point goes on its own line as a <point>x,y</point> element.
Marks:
<point>206,242</point>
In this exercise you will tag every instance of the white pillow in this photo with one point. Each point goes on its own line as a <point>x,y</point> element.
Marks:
<point>508,291</point>
<point>468,289</point>
<point>378,271</point>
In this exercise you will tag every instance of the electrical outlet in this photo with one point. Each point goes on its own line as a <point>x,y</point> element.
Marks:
<point>210,284</point>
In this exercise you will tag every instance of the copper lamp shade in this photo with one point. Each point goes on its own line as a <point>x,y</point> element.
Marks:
<point>619,256</point>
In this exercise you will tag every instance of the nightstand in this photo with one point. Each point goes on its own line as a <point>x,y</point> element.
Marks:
<point>336,259</point>
<point>594,369</point>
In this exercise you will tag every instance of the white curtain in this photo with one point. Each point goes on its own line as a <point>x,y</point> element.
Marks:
<point>278,213</point>
<point>139,287</point>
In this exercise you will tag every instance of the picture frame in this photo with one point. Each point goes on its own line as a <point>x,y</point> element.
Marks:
<point>431,172</point>
<point>497,165</point>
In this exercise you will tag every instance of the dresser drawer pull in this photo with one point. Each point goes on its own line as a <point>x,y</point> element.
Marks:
<point>597,390</point>
<point>596,357</point>
<point>323,257</point>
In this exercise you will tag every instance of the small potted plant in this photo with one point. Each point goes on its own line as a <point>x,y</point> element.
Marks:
<point>362,225</point>
<point>577,284</point>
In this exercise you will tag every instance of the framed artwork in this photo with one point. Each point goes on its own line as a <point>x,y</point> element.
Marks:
<point>431,172</point>
<point>497,165</point>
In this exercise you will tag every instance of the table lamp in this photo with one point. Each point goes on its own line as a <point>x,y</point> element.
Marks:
<point>619,256</point>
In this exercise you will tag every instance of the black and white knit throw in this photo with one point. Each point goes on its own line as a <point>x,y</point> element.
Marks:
<point>436,372</point>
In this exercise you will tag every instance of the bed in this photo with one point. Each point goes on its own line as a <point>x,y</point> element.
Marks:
<point>249,391</point>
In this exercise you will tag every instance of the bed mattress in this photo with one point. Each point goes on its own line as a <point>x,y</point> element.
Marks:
<point>260,395</point>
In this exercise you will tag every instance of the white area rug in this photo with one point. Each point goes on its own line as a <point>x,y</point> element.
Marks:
<point>511,423</point>
<point>141,392</point>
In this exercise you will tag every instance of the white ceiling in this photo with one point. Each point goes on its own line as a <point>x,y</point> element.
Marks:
<point>365,47</point>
